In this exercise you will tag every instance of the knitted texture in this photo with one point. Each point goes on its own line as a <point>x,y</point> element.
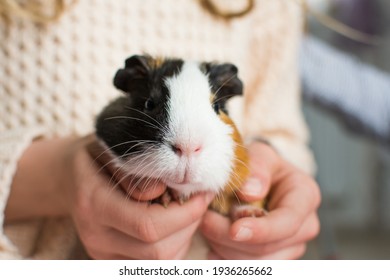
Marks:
<point>56,78</point>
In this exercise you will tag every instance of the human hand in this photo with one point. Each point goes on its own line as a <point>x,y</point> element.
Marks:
<point>58,177</point>
<point>293,198</point>
<point>113,226</point>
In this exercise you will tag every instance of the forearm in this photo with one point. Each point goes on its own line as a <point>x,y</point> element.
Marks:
<point>35,189</point>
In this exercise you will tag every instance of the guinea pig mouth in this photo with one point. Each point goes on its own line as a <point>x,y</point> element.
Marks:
<point>185,184</point>
<point>183,179</point>
<point>188,189</point>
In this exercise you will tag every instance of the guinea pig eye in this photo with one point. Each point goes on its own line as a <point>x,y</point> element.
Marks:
<point>216,107</point>
<point>149,104</point>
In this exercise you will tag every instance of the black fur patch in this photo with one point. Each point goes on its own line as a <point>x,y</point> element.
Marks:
<point>126,125</point>
<point>224,83</point>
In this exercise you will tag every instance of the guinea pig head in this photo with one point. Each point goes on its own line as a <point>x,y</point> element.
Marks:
<point>169,124</point>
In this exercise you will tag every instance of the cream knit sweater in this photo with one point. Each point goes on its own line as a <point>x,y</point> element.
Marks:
<point>54,79</point>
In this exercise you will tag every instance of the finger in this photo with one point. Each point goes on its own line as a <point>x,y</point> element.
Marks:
<point>142,189</point>
<point>307,232</point>
<point>277,225</point>
<point>263,163</point>
<point>139,189</point>
<point>138,219</point>
<point>293,198</point>
<point>222,252</point>
<point>97,151</point>
<point>216,227</point>
<point>295,189</point>
<point>174,246</point>
<point>255,188</point>
<point>261,153</point>
<point>150,223</point>
<point>291,208</point>
<point>217,234</point>
<point>98,255</point>
<point>292,252</point>
<point>181,254</point>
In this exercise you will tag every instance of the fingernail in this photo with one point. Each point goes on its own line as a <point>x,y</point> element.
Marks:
<point>243,234</point>
<point>253,187</point>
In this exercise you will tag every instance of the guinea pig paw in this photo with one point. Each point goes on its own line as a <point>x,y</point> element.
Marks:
<point>178,197</point>
<point>165,198</point>
<point>169,196</point>
<point>245,211</point>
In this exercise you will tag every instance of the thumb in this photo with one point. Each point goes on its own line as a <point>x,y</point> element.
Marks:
<point>263,162</point>
<point>255,188</point>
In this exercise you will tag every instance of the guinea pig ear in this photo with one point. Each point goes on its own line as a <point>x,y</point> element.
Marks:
<point>224,80</point>
<point>136,68</point>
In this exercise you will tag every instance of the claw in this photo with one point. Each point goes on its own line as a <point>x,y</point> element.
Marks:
<point>245,211</point>
<point>168,196</point>
<point>165,199</point>
<point>178,197</point>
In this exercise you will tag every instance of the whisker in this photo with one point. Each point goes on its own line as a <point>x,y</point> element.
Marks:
<point>123,143</point>
<point>222,97</point>
<point>140,172</point>
<point>228,80</point>
<point>115,159</point>
<point>133,118</point>
<point>143,113</point>
<point>246,165</point>
<point>236,186</point>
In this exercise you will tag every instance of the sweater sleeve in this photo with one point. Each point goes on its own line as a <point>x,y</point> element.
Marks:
<point>272,100</point>
<point>12,145</point>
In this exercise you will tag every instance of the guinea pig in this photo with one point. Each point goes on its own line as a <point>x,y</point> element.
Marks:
<point>172,124</point>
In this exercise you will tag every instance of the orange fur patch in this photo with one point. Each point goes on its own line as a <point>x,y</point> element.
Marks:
<point>240,172</point>
<point>228,198</point>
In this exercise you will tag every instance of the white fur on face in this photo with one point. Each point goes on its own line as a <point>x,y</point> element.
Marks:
<point>194,125</point>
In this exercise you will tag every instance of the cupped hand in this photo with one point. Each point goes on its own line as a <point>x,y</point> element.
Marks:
<point>111,223</point>
<point>293,198</point>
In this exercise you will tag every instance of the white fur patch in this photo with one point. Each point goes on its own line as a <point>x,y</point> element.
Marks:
<point>193,123</point>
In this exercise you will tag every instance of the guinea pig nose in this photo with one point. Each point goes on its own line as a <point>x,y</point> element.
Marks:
<point>186,149</point>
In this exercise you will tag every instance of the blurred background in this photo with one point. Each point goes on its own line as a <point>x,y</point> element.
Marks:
<point>353,161</point>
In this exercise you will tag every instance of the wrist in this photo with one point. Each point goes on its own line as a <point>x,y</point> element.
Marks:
<point>36,187</point>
